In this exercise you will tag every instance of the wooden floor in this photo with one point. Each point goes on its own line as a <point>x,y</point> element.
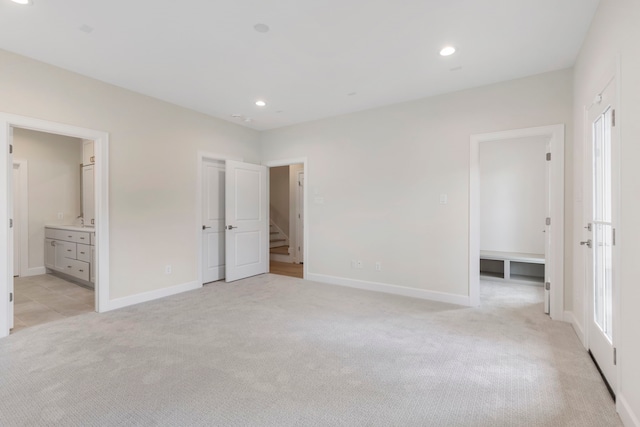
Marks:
<point>285,269</point>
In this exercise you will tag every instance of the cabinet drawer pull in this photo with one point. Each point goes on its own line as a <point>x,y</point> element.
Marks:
<point>82,238</point>
<point>69,236</point>
<point>68,266</point>
<point>82,253</point>
<point>81,271</point>
<point>68,250</point>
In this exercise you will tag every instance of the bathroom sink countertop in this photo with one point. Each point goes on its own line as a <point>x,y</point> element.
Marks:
<point>71,227</point>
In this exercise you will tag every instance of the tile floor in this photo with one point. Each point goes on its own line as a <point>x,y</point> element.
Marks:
<point>46,298</point>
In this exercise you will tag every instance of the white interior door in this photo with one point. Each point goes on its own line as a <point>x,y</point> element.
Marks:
<point>10,211</point>
<point>599,210</point>
<point>547,233</point>
<point>300,219</point>
<point>247,231</point>
<point>16,221</point>
<point>213,226</point>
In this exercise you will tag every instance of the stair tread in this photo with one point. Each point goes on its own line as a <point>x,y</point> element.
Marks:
<point>277,240</point>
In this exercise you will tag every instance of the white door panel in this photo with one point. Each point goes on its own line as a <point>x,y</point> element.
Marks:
<point>246,220</point>
<point>213,236</point>
<point>600,202</point>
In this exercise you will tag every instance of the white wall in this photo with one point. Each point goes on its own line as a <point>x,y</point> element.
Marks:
<point>279,197</point>
<point>53,181</point>
<point>512,195</point>
<point>380,173</point>
<point>615,33</point>
<point>153,164</point>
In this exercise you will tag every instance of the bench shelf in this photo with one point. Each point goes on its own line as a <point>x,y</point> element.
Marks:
<point>512,266</point>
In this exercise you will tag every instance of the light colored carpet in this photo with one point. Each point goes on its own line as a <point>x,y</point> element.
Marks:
<point>278,351</point>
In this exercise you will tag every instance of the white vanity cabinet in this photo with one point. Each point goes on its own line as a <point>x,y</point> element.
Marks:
<point>70,250</point>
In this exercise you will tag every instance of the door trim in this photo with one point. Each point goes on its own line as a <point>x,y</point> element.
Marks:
<point>201,156</point>
<point>305,222</point>
<point>23,209</point>
<point>556,133</point>
<point>7,122</point>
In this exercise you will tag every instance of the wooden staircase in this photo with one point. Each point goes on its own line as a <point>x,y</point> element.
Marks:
<point>278,243</point>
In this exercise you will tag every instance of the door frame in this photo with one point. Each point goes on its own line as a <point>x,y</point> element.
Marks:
<point>305,223</point>
<point>201,156</point>
<point>299,203</point>
<point>556,135</point>
<point>7,123</point>
<point>23,212</point>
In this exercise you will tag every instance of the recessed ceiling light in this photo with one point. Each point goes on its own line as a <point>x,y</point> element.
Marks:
<point>22,1</point>
<point>449,50</point>
<point>261,28</point>
<point>261,103</point>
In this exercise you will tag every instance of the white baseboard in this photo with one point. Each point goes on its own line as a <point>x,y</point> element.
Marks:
<point>391,289</point>
<point>36,271</point>
<point>151,295</point>
<point>577,327</point>
<point>629,418</point>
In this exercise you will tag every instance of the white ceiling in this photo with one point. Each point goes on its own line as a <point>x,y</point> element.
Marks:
<point>206,55</point>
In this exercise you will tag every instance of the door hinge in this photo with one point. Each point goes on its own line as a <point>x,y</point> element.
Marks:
<point>10,296</point>
<point>10,222</point>
<point>613,118</point>
<point>548,221</point>
<point>10,148</point>
<point>548,157</point>
<point>547,286</point>
<point>613,236</point>
<point>615,356</point>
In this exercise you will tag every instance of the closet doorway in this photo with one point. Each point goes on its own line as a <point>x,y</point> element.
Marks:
<point>516,211</point>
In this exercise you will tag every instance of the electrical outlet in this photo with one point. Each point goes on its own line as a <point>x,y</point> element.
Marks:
<point>167,269</point>
<point>378,266</point>
<point>359,264</point>
<point>60,215</point>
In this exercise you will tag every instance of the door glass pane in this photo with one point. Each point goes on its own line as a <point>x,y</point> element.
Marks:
<point>602,227</point>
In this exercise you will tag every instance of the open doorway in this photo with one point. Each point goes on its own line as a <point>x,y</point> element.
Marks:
<point>9,124</point>
<point>514,205</point>
<point>524,203</point>
<point>54,239</point>
<point>286,220</point>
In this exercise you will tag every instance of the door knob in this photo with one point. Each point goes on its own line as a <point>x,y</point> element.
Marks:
<point>587,243</point>
<point>204,227</point>
<point>230,227</point>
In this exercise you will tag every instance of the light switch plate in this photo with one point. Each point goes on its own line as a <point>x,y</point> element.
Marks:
<point>444,199</point>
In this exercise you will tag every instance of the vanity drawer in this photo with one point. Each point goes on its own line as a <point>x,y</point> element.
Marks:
<point>72,236</point>
<point>67,249</point>
<point>83,252</point>
<point>79,269</point>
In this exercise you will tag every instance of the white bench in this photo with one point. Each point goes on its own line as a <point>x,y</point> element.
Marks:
<point>512,266</point>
